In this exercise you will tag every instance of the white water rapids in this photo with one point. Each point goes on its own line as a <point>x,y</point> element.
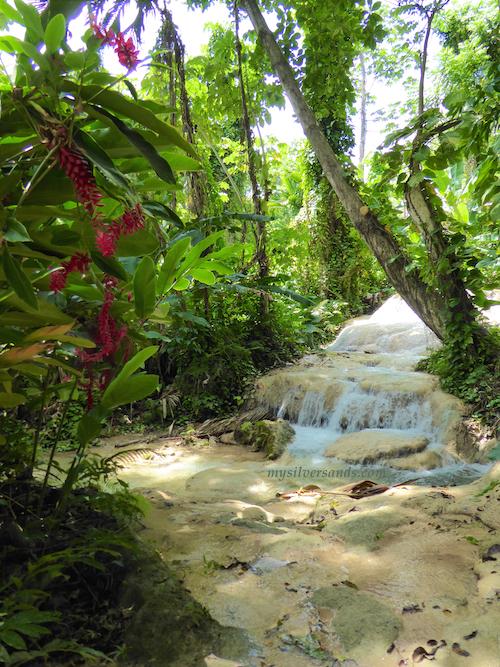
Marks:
<point>395,338</point>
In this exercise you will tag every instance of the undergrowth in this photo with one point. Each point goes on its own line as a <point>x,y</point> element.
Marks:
<point>62,561</point>
<point>478,385</point>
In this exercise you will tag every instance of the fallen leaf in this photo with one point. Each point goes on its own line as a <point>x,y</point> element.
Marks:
<point>432,642</point>
<point>471,636</point>
<point>351,585</point>
<point>411,609</point>
<point>460,651</point>
<point>446,612</point>
<point>419,654</point>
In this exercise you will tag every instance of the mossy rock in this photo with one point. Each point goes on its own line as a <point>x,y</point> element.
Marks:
<point>270,437</point>
<point>168,626</point>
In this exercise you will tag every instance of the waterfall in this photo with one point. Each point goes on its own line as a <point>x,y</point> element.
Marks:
<point>366,385</point>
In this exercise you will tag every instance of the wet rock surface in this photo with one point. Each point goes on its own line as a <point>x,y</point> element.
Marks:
<point>317,578</point>
<point>371,445</point>
<point>335,579</point>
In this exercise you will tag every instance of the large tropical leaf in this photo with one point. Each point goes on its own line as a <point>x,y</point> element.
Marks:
<point>157,162</point>
<point>18,279</point>
<point>144,288</point>
<point>113,101</point>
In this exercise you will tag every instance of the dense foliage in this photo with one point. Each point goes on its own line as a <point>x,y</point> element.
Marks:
<point>157,253</point>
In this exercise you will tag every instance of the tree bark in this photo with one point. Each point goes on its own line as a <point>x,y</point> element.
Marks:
<point>426,302</point>
<point>425,216</point>
<point>260,231</point>
<point>362,139</point>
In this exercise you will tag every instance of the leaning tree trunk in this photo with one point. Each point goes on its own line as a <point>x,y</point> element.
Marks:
<point>425,301</point>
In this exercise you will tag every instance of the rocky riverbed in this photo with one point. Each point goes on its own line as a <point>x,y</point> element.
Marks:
<point>322,579</point>
<point>315,577</point>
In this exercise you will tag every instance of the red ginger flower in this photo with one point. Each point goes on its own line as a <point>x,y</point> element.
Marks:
<point>106,240</point>
<point>107,236</point>
<point>127,53</point>
<point>132,220</point>
<point>107,36</point>
<point>77,262</point>
<point>109,336</point>
<point>78,169</point>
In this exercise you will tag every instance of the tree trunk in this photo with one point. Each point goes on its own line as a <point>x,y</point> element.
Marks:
<point>425,301</point>
<point>260,231</point>
<point>441,256</point>
<point>362,138</point>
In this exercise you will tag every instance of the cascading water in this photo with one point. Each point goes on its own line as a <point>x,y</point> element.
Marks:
<point>379,396</point>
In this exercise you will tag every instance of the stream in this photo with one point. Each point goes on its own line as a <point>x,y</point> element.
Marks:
<point>319,579</point>
<point>387,345</point>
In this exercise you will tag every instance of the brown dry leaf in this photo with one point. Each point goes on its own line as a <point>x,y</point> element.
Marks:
<point>460,651</point>
<point>363,489</point>
<point>446,612</point>
<point>15,355</point>
<point>47,333</point>
<point>309,490</point>
<point>360,489</point>
<point>419,654</point>
<point>411,609</point>
<point>310,487</point>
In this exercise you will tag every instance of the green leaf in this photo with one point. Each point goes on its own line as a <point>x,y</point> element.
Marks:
<point>32,52</point>
<point>100,158</point>
<point>89,428</point>
<point>16,231</point>
<point>157,162</point>
<point>9,12</point>
<point>495,213</point>
<point>18,280</point>
<point>11,400</point>
<point>218,219</point>
<point>65,237</point>
<point>181,284</point>
<point>75,60</point>
<point>8,183</point>
<point>31,18</point>
<point>219,267</point>
<point>110,99</point>
<point>422,154</point>
<point>138,244</point>
<point>11,638</point>
<point>203,275</point>
<point>109,265</point>
<point>130,367</point>
<point>144,288</point>
<point>292,295</point>
<point>196,251</point>
<point>191,317</point>
<point>4,656</point>
<point>132,389</point>
<point>416,179</point>
<point>159,210</point>
<point>55,33</point>
<point>170,262</point>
